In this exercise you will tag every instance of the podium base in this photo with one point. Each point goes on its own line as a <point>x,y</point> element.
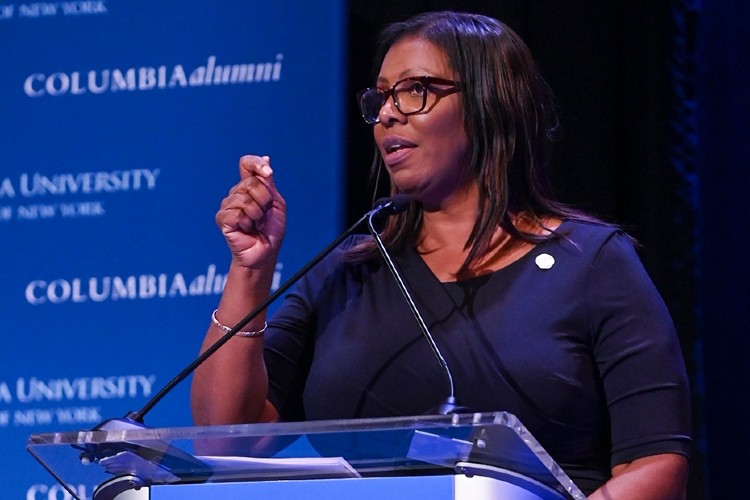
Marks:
<point>126,487</point>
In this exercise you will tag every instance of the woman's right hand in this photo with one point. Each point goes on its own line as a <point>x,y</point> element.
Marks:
<point>253,215</point>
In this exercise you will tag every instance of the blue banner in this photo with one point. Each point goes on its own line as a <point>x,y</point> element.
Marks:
<point>122,126</point>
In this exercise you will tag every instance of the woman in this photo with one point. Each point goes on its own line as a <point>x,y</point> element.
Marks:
<point>539,310</point>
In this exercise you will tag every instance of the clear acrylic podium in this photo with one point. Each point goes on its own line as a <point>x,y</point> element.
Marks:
<point>464,456</point>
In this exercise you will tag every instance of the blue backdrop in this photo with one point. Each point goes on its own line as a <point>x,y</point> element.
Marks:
<point>122,124</point>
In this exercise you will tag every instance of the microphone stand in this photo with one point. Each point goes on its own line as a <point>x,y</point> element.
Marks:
<point>175,459</point>
<point>450,405</point>
<point>166,455</point>
<point>388,206</point>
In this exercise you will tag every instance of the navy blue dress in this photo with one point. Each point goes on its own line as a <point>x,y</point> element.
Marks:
<point>584,352</point>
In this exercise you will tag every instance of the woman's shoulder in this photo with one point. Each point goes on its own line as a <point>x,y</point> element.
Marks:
<point>590,236</point>
<point>589,229</point>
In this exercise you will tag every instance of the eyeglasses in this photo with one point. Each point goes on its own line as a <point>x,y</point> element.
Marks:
<point>410,95</point>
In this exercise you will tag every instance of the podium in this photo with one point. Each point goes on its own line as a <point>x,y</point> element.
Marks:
<point>463,456</point>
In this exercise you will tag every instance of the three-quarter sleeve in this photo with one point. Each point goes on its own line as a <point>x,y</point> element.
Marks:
<point>637,352</point>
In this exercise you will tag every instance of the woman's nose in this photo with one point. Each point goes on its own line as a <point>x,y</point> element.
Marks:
<point>389,113</point>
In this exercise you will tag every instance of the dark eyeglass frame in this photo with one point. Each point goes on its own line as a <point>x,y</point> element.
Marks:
<point>426,82</point>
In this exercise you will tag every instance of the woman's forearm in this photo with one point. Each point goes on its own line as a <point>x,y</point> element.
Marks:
<point>657,477</point>
<point>231,386</point>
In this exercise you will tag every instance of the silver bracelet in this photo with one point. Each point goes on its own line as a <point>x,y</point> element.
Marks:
<point>225,328</point>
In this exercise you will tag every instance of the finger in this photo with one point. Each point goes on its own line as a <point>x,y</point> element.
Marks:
<point>251,165</point>
<point>251,196</point>
<point>246,224</point>
<point>248,191</point>
<point>261,191</point>
<point>246,206</point>
<point>235,219</point>
<point>230,216</point>
<point>237,197</point>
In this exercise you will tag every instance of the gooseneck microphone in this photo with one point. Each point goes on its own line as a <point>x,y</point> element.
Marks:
<point>174,459</point>
<point>383,207</point>
<point>398,204</point>
<point>162,453</point>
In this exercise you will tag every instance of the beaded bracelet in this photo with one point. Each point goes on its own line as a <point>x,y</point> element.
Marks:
<point>225,328</point>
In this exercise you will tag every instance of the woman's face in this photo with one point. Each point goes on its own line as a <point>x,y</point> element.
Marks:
<point>427,154</point>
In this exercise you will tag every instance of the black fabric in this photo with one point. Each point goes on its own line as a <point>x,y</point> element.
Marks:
<point>584,353</point>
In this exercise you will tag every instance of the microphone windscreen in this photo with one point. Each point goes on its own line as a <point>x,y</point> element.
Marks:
<point>393,205</point>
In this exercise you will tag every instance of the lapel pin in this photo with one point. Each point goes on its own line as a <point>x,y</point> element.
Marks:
<point>544,261</point>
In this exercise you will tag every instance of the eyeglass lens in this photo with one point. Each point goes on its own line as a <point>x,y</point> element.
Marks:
<point>409,97</point>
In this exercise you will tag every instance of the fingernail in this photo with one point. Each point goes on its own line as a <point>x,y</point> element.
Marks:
<point>266,170</point>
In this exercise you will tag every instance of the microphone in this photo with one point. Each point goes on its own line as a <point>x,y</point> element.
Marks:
<point>391,206</point>
<point>383,208</point>
<point>134,419</point>
<point>165,455</point>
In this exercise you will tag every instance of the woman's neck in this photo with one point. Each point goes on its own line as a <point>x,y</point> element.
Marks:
<point>445,231</point>
<point>449,223</point>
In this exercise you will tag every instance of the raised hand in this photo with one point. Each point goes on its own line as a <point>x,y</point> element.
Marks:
<point>253,215</point>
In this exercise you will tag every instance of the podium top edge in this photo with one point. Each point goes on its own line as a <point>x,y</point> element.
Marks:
<point>107,432</point>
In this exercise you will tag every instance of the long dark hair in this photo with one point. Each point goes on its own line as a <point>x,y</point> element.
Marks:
<point>509,118</point>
